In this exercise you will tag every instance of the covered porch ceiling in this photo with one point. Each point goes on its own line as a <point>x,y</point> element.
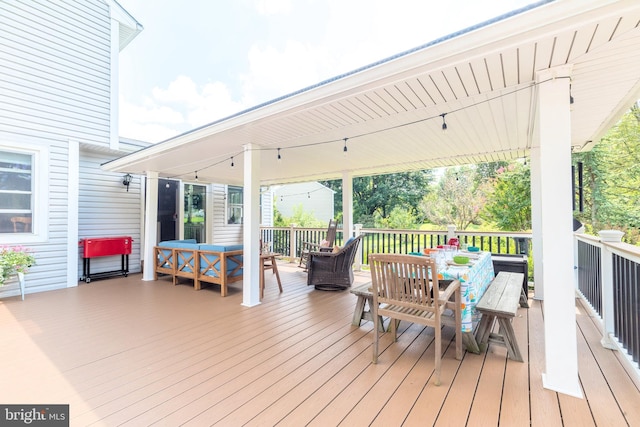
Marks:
<point>482,78</point>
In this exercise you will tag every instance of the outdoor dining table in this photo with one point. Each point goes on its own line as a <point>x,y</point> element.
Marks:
<point>474,279</point>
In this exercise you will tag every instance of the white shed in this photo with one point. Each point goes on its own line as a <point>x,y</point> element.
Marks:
<point>313,196</point>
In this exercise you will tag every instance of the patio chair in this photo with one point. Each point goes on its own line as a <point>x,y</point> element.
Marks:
<point>307,247</point>
<point>332,271</point>
<point>402,287</point>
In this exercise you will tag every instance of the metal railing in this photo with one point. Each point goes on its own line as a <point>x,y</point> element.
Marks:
<point>609,279</point>
<point>289,241</point>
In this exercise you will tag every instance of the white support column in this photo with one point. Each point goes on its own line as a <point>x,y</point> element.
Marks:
<point>347,205</point>
<point>73,203</point>
<point>150,224</point>
<point>606,263</point>
<point>251,228</point>
<point>536,220</point>
<point>554,122</point>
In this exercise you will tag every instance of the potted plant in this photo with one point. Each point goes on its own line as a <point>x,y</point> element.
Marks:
<point>14,260</point>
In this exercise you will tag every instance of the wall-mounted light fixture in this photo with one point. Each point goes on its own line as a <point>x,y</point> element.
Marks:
<point>126,180</point>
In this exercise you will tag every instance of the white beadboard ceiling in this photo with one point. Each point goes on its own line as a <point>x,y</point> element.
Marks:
<point>482,78</point>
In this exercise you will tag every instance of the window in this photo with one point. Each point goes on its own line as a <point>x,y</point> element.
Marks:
<point>234,205</point>
<point>16,192</point>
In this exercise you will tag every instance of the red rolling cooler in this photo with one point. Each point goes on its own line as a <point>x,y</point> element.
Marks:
<point>105,246</point>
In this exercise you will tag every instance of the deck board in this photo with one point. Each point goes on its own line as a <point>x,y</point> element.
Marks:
<point>127,352</point>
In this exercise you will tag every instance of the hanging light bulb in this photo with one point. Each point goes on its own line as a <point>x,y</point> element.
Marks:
<point>308,195</point>
<point>279,156</point>
<point>196,176</point>
<point>168,186</point>
<point>444,123</point>
<point>344,150</point>
<point>232,164</point>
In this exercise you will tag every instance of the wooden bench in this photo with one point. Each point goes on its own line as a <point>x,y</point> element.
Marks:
<point>500,301</point>
<point>365,298</point>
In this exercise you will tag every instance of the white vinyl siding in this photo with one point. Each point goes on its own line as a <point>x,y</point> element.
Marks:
<point>55,88</point>
<point>223,233</point>
<point>107,209</point>
<point>54,78</point>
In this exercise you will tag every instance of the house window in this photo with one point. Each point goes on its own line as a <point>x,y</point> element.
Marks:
<point>234,205</point>
<point>17,195</point>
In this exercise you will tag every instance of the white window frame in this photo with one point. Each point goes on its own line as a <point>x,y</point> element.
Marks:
<point>228,206</point>
<point>40,177</point>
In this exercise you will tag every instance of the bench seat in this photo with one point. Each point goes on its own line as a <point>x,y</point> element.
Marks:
<point>216,264</point>
<point>500,301</point>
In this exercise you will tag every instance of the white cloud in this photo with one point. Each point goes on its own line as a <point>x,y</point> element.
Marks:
<point>284,59</point>
<point>179,107</point>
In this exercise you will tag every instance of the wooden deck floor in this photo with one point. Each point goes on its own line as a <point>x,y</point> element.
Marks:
<point>128,352</point>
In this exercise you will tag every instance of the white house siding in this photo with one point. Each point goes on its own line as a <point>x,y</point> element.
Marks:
<point>54,87</point>
<point>223,233</point>
<point>54,77</point>
<point>107,209</point>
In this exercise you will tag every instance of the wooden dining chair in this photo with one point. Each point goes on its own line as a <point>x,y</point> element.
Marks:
<point>268,262</point>
<point>403,288</point>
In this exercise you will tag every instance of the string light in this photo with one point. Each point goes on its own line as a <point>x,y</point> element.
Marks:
<point>444,124</point>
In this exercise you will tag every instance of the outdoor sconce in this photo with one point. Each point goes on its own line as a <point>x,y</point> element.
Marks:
<point>126,180</point>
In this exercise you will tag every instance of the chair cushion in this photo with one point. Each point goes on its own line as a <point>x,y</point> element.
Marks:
<point>220,248</point>
<point>187,243</point>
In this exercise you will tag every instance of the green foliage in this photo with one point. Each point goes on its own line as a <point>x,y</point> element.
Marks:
<point>399,219</point>
<point>458,199</point>
<point>14,260</point>
<point>612,180</point>
<point>377,196</point>
<point>299,217</point>
<point>509,205</point>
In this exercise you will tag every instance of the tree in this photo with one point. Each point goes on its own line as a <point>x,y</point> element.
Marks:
<point>399,219</point>
<point>376,196</point>
<point>300,217</point>
<point>612,179</point>
<point>509,200</point>
<point>458,199</point>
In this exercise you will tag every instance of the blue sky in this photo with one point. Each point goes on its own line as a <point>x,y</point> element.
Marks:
<point>200,60</point>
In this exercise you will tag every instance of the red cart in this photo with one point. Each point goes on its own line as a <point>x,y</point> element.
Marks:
<point>105,246</point>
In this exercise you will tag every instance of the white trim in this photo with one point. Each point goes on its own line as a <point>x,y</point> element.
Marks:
<point>150,225</point>
<point>40,176</point>
<point>114,110</point>
<point>73,208</point>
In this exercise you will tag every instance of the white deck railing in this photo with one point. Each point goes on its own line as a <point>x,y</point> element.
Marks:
<point>608,277</point>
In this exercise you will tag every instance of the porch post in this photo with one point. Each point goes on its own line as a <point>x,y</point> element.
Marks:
<point>554,198</point>
<point>606,263</point>
<point>536,222</point>
<point>347,205</point>
<point>150,224</point>
<point>251,227</point>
